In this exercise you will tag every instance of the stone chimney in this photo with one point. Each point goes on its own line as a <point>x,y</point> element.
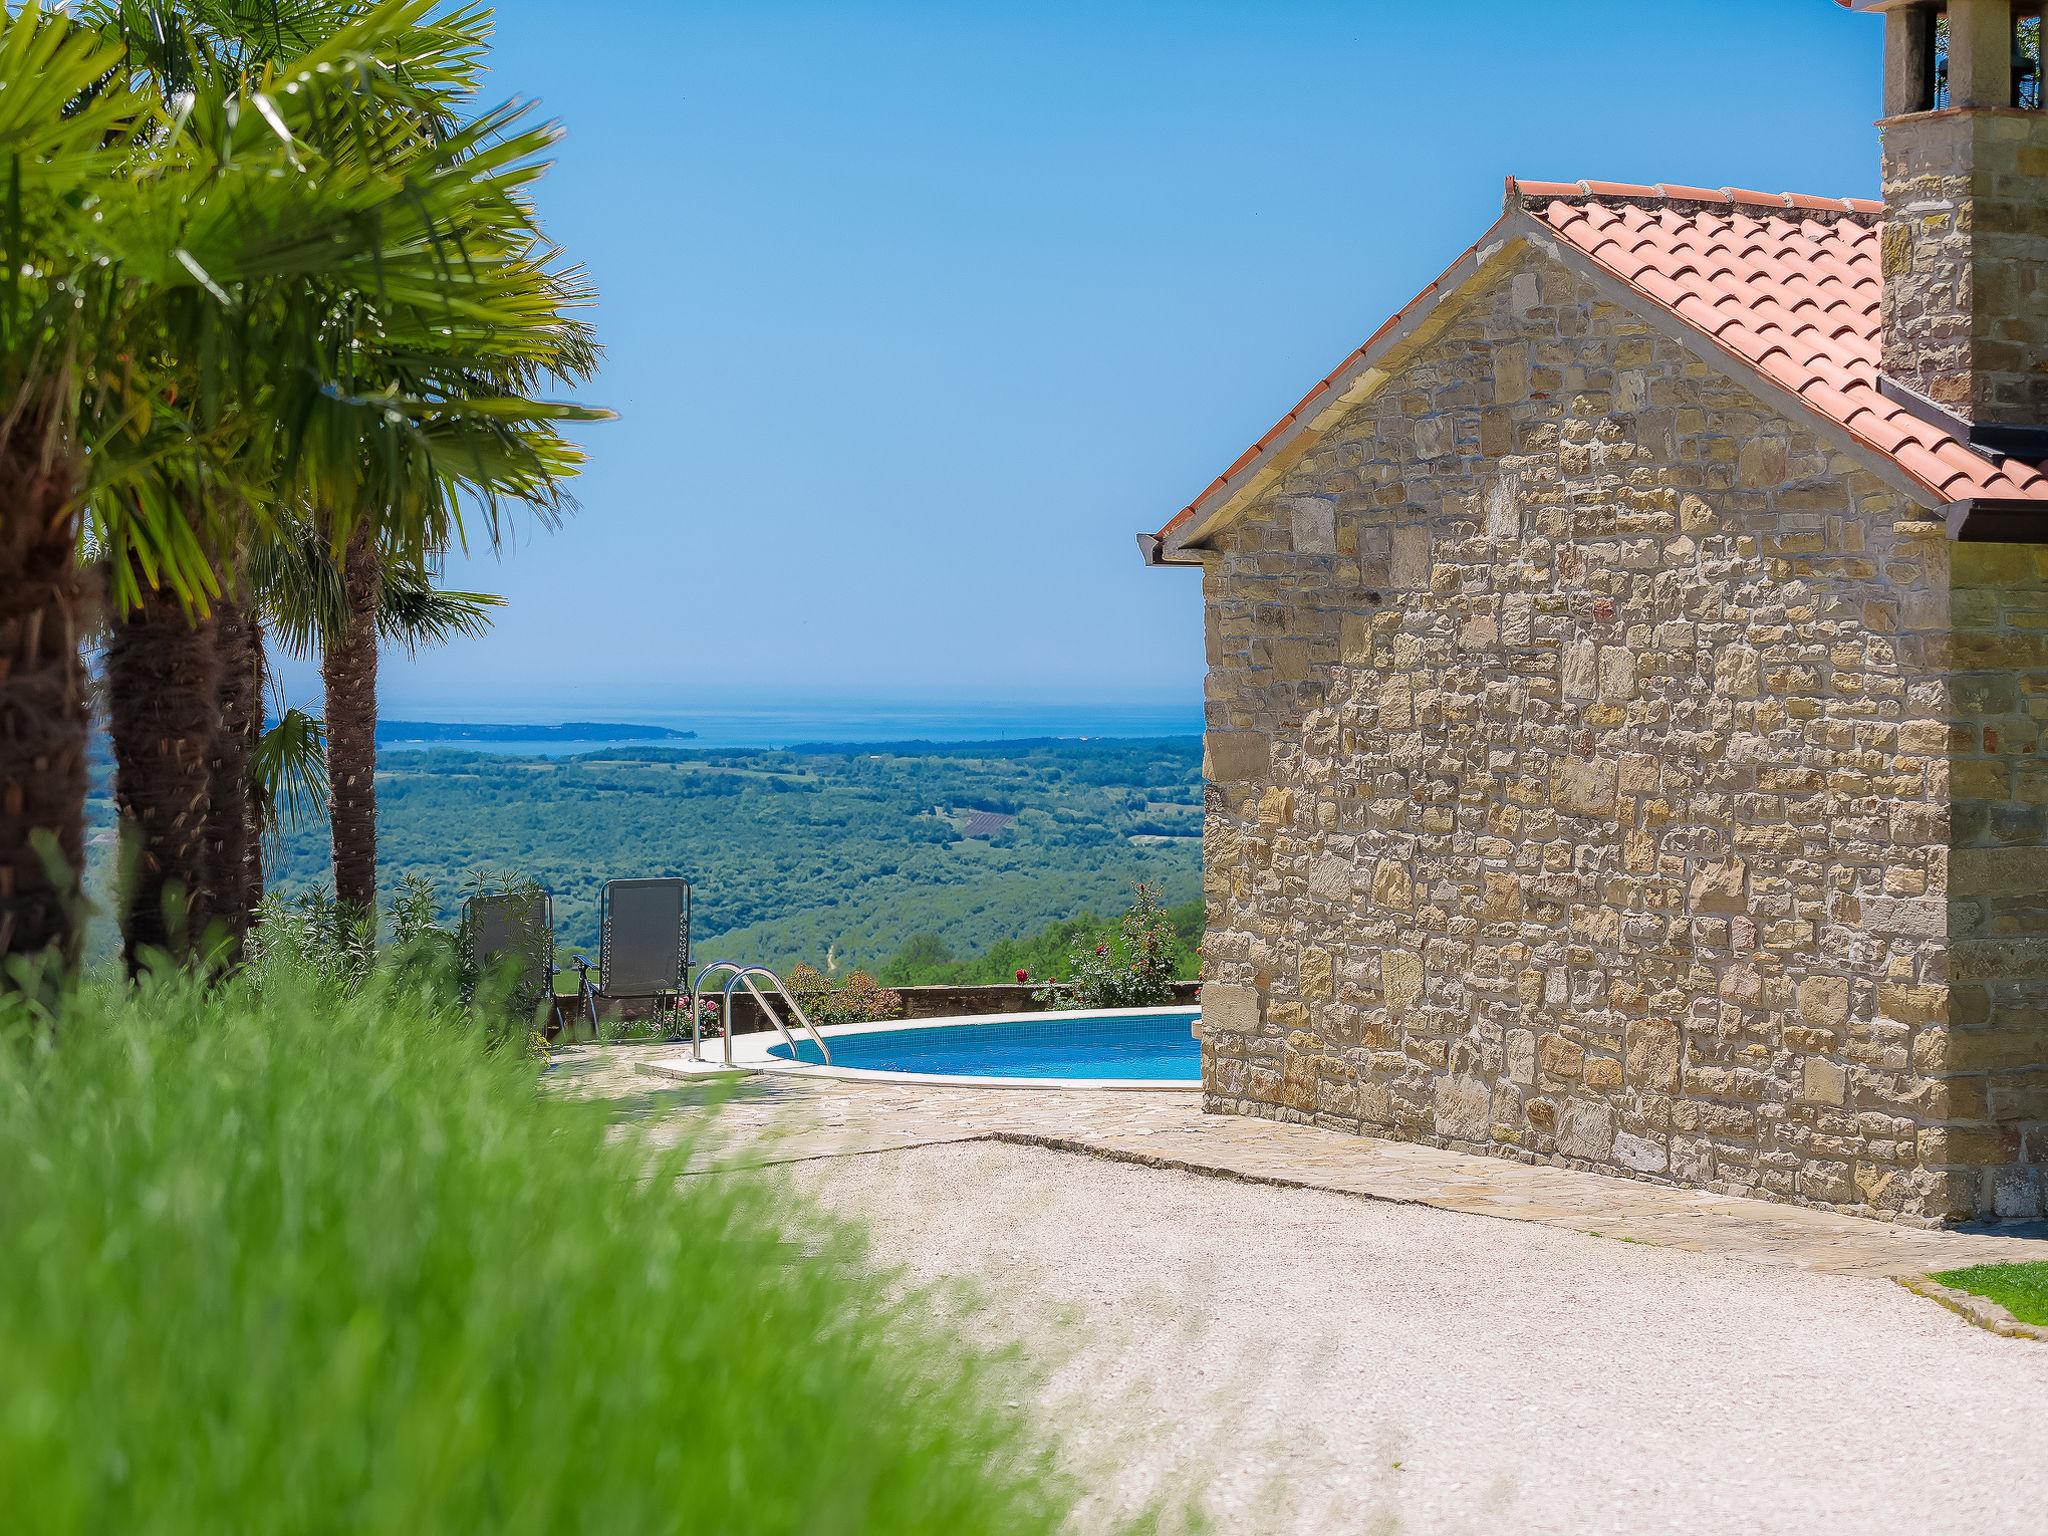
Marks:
<point>1966,218</point>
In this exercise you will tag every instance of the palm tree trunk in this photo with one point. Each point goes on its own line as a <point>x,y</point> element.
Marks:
<point>253,813</point>
<point>232,837</point>
<point>349,669</point>
<point>45,607</point>
<point>163,693</point>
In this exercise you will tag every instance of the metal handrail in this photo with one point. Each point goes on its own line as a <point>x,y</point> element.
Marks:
<point>743,975</point>
<point>696,1014</point>
<point>746,976</point>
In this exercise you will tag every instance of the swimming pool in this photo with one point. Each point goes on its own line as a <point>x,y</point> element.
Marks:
<point>1150,1046</point>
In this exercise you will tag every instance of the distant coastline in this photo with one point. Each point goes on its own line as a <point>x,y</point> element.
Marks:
<point>784,723</point>
<point>413,732</point>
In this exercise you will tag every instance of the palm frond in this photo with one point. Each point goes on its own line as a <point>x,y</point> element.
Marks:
<point>296,580</point>
<point>413,613</point>
<point>289,768</point>
<point>266,255</point>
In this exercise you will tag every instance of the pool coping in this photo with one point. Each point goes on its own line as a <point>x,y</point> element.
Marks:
<point>752,1053</point>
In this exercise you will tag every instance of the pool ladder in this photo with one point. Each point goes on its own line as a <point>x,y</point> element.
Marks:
<point>743,975</point>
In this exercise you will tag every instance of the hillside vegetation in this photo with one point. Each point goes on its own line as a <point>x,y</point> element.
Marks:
<point>927,960</point>
<point>847,852</point>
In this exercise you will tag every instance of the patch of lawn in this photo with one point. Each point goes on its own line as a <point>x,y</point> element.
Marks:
<point>2022,1289</point>
<point>281,1259</point>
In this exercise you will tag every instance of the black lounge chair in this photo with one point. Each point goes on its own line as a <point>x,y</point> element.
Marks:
<point>644,946</point>
<point>515,931</point>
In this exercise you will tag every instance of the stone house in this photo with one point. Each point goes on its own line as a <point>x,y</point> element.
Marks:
<point>1627,682</point>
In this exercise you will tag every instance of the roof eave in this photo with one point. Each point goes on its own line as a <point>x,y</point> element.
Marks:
<point>1996,520</point>
<point>1152,550</point>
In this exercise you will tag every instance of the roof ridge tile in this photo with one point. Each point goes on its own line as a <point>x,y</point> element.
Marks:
<point>1677,195</point>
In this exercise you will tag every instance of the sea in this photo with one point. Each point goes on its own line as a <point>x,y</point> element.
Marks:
<point>784,724</point>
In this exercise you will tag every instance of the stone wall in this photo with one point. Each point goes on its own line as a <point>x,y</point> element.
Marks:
<point>1988,1056</point>
<point>1580,745</point>
<point>1965,247</point>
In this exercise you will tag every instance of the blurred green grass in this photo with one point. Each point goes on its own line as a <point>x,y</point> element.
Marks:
<point>289,1260</point>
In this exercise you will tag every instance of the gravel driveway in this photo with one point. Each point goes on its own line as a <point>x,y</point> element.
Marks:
<point>1300,1361</point>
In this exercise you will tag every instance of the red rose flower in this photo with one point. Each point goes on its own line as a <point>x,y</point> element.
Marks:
<point>1022,975</point>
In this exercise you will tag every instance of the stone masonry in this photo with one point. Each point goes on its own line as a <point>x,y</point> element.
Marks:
<point>1966,260</point>
<point>1606,770</point>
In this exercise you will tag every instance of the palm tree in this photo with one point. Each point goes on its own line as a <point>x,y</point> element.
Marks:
<point>163,695</point>
<point>496,448</point>
<point>64,147</point>
<point>180,279</point>
<point>491,446</point>
<point>348,676</point>
<point>313,604</point>
<point>231,866</point>
<point>381,602</point>
<point>530,468</point>
<point>185,684</point>
<point>182,719</point>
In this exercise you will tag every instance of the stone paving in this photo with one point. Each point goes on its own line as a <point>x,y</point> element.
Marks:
<point>770,1118</point>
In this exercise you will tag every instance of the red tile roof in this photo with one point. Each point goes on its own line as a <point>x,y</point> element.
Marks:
<point>1789,285</point>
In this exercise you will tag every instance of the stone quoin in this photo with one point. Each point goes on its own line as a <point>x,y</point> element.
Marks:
<point>1627,677</point>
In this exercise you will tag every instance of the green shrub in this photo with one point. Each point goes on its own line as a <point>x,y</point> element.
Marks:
<point>1047,952</point>
<point>1134,968</point>
<point>311,934</point>
<point>860,999</point>
<point>305,1259</point>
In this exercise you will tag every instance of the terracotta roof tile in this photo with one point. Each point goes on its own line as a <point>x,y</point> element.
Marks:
<point>1789,284</point>
<point>1796,298</point>
<point>1878,428</point>
<point>1925,466</point>
<point>1689,194</point>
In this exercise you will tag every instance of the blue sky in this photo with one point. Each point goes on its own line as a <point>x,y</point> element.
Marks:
<point>917,313</point>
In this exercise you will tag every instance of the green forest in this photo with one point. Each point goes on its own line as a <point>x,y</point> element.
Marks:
<point>912,860</point>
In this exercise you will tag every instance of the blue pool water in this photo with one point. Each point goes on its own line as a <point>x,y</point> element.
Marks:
<point>1158,1048</point>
